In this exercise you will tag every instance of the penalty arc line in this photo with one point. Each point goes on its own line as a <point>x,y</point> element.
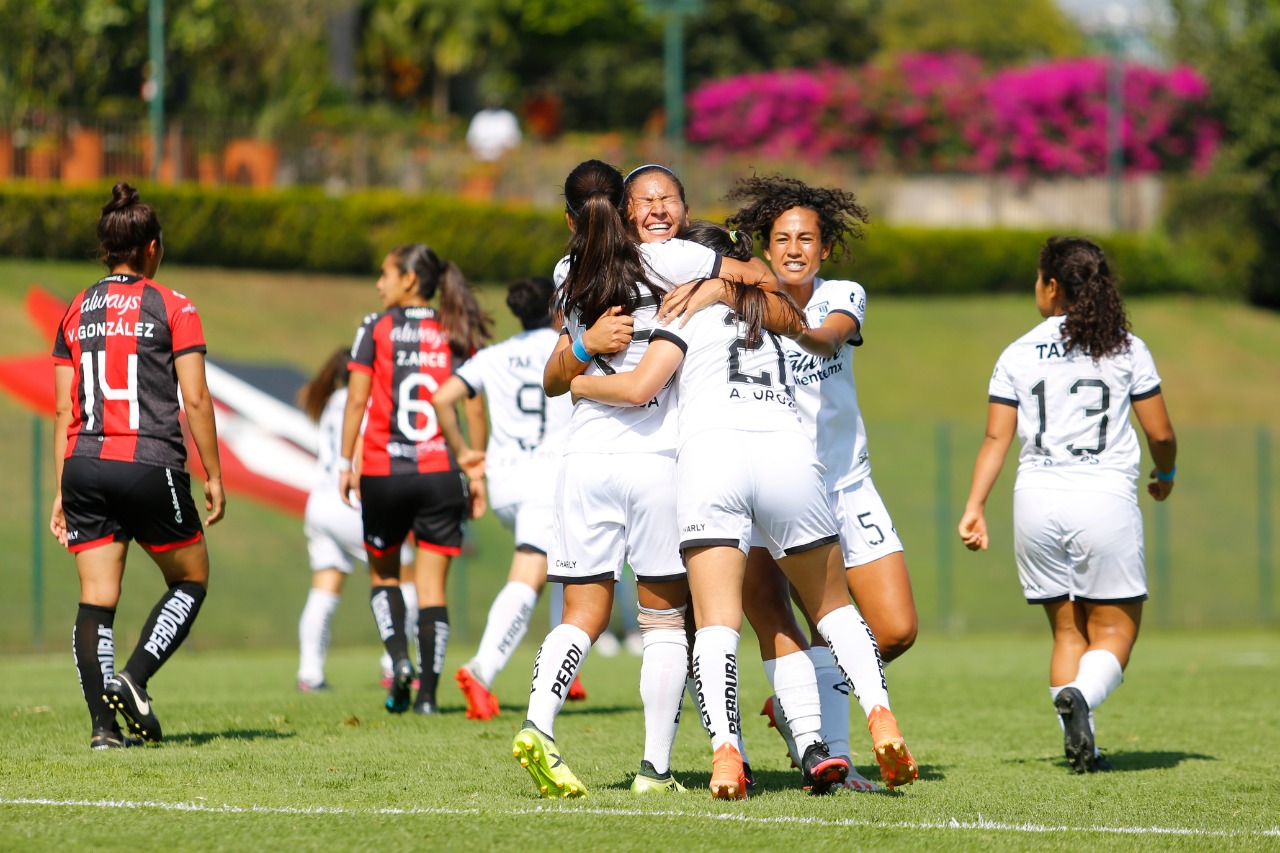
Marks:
<point>980,824</point>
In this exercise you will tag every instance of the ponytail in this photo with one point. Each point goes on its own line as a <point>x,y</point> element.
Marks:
<point>461,316</point>
<point>1096,321</point>
<point>331,376</point>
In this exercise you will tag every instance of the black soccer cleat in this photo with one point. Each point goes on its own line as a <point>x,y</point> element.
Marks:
<point>112,738</point>
<point>399,693</point>
<point>821,771</point>
<point>1077,737</point>
<point>123,694</point>
<point>425,706</point>
<point>1101,764</point>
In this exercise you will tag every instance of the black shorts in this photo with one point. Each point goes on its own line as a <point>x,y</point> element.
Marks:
<point>433,506</point>
<point>109,501</point>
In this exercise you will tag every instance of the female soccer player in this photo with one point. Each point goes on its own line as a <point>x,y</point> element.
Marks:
<point>408,480</point>
<point>801,226</point>
<point>335,538</point>
<point>124,350</point>
<point>743,459</point>
<point>1067,387</point>
<point>613,496</point>
<point>526,440</point>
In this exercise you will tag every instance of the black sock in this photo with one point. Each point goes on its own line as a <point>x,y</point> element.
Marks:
<point>433,639</point>
<point>94,647</point>
<point>167,626</point>
<point>388,613</point>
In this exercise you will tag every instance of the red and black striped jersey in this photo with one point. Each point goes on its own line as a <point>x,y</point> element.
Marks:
<point>121,337</point>
<point>407,352</point>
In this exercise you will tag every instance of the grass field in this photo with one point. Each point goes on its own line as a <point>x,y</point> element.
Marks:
<point>248,763</point>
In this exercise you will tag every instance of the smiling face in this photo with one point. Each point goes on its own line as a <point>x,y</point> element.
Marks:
<point>395,286</point>
<point>795,249</point>
<point>655,208</point>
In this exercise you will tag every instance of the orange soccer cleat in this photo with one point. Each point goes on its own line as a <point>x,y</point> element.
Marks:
<point>481,704</point>
<point>728,781</point>
<point>577,693</point>
<point>897,767</point>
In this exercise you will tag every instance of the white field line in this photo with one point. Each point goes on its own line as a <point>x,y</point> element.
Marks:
<point>981,824</point>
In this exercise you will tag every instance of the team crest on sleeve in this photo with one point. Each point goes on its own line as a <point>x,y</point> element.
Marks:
<point>859,301</point>
<point>820,311</point>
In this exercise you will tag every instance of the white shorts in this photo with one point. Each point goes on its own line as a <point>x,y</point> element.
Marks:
<point>532,521</point>
<point>1078,545</point>
<point>335,534</point>
<point>866,530</point>
<point>729,479</point>
<point>611,509</point>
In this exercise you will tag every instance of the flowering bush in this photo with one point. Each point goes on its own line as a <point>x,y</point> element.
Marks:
<point>943,112</point>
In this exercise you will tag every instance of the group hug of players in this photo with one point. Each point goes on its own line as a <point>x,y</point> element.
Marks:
<point>674,404</point>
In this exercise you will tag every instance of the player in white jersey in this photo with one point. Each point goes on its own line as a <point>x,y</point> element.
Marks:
<point>1067,387</point>
<point>520,461</point>
<point>801,226</point>
<point>744,457</point>
<point>614,499</point>
<point>335,536</point>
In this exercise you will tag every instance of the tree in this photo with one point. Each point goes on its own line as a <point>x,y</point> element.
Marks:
<point>1002,32</point>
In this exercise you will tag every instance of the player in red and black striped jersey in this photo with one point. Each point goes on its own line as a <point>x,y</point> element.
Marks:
<point>124,349</point>
<point>408,479</point>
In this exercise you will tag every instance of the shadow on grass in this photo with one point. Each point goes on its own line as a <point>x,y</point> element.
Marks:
<point>1130,761</point>
<point>202,738</point>
<point>767,781</point>
<point>578,708</point>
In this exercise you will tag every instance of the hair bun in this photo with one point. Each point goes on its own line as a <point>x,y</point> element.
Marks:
<point>122,195</point>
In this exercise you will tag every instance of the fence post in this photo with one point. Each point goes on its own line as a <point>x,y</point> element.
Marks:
<point>1163,580</point>
<point>1264,525</point>
<point>37,533</point>
<point>942,526</point>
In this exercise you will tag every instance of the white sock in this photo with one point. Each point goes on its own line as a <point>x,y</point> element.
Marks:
<point>313,635</point>
<point>854,648</point>
<point>1099,674</point>
<point>662,675</point>
<point>559,659</point>
<point>410,592</point>
<point>834,693</point>
<point>691,687</point>
<point>780,716</point>
<point>507,624</point>
<point>795,689</point>
<point>715,672</point>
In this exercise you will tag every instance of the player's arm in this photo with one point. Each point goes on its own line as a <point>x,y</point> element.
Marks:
<point>359,384</point>
<point>636,387</point>
<point>1002,423</point>
<point>445,402</point>
<point>688,299</point>
<point>610,334</point>
<point>204,431</point>
<point>63,377</point>
<point>837,329</point>
<point>1153,417</point>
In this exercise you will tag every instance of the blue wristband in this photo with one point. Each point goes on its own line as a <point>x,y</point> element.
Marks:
<point>580,351</point>
<point>1166,477</point>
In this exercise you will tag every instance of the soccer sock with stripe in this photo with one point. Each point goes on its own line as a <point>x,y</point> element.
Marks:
<point>388,613</point>
<point>167,626</point>
<point>795,690</point>
<point>409,590</point>
<point>559,658</point>
<point>313,635</point>
<point>433,637</point>
<point>663,667</point>
<point>508,622</point>
<point>715,672</point>
<point>93,644</point>
<point>834,693</point>
<point>854,648</point>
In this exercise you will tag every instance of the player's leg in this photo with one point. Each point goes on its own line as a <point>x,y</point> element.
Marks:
<point>1069,623</point>
<point>93,639</point>
<point>314,627</point>
<point>663,669</point>
<point>766,603</point>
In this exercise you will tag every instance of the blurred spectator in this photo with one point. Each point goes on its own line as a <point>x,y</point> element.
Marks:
<point>493,130</point>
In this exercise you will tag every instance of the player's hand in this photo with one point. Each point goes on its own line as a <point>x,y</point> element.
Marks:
<point>610,334</point>
<point>215,500</point>
<point>349,486</point>
<point>477,497</point>
<point>973,530</point>
<point>472,462</point>
<point>688,299</point>
<point>58,521</point>
<point>1157,488</point>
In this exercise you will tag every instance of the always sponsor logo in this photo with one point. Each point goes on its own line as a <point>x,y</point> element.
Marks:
<point>121,302</point>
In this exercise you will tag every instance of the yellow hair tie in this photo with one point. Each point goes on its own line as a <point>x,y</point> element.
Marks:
<point>733,236</point>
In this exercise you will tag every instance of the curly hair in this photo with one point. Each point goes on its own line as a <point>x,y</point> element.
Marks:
<point>764,199</point>
<point>1096,320</point>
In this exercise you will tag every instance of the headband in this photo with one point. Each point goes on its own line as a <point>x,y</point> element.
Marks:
<point>638,169</point>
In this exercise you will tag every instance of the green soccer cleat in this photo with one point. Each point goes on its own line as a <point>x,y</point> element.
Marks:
<point>539,754</point>
<point>648,781</point>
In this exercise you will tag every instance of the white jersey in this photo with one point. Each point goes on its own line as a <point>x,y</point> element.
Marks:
<point>826,391</point>
<point>724,384</point>
<point>527,428</point>
<point>601,428</point>
<point>330,427</point>
<point>1073,412</point>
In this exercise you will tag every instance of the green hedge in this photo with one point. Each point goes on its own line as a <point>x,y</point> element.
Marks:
<point>306,230</point>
